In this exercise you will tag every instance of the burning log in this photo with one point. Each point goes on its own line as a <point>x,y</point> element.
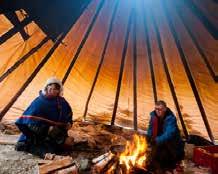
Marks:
<point>131,159</point>
<point>122,169</point>
<point>117,149</point>
<point>112,163</point>
<point>102,164</point>
<point>138,170</point>
<point>113,167</point>
<point>135,152</point>
<point>117,168</point>
<point>101,157</point>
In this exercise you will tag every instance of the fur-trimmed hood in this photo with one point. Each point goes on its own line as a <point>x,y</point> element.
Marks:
<point>50,81</point>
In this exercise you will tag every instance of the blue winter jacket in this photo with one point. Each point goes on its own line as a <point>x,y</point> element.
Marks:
<point>54,109</point>
<point>170,130</point>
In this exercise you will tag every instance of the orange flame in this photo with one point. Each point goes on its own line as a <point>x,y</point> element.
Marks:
<point>135,152</point>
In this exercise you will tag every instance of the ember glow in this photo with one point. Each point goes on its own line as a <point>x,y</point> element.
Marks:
<point>135,153</point>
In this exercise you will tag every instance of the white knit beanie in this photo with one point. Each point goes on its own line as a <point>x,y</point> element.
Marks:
<point>52,80</point>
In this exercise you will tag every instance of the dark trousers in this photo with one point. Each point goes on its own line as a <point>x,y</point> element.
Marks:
<point>40,141</point>
<point>167,155</point>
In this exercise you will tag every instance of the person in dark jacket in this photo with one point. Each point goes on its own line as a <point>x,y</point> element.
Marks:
<point>45,122</point>
<point>167,147</point>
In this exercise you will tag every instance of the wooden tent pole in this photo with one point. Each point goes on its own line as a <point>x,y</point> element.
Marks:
<point>188,72</point>
<point>121,69</point>
<point>149,53</point>
<point>23,59</point>
<point>15,30</point>
<point>134,72</point>
<point>83,42</point>
<point>102,58</point>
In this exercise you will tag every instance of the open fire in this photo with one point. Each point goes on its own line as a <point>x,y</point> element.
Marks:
<point>134,154</point>
<point>128,160</point>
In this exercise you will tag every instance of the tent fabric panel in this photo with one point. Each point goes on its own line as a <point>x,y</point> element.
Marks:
<point>10,86</point>
<point>66,51</point>
<point>105,90</point>
<point>5,24</point>
<point>203,37</point>
<point>56,65</point>
<point>84,69</point>
<point>209,9</point>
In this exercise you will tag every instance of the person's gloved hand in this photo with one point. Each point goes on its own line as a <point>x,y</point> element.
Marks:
<point>152,142</point>
<point>58,134</point>
<point>39,130</point>
<point>148,139</point>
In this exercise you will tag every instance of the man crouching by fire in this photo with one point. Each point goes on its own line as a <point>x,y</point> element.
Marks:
<point>167,147</point>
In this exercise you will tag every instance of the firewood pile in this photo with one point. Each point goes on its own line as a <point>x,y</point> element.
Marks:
<point>128,159</point>
<point>58,165</point>
<point>109,163</point>
<point>96,149</point>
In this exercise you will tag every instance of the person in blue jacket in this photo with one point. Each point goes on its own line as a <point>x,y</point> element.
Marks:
<point>167,146</point>
<point>45,122</point>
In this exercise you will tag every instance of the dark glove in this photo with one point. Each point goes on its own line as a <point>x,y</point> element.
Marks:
<point>148,139</point>
<point>38,130</point>
<point>153,142</point>
<point>57,134</point>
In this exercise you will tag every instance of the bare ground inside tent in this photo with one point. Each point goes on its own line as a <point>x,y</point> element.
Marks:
<point>13,162</point>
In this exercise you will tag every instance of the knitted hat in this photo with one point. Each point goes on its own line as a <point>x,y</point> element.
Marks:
<point>52,80</point>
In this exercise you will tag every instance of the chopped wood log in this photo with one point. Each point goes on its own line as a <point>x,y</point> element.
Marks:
<point>97,168</point>
<point>101,157</point>
<point>55,165</point>
<point>121,168</point>
<point>70,170</point>
<point>40,162</point>
<point>117,149</point>
<point>108,166</point>
<point>52,156</point>
<point>9,139</point>
<point>114,168</point>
